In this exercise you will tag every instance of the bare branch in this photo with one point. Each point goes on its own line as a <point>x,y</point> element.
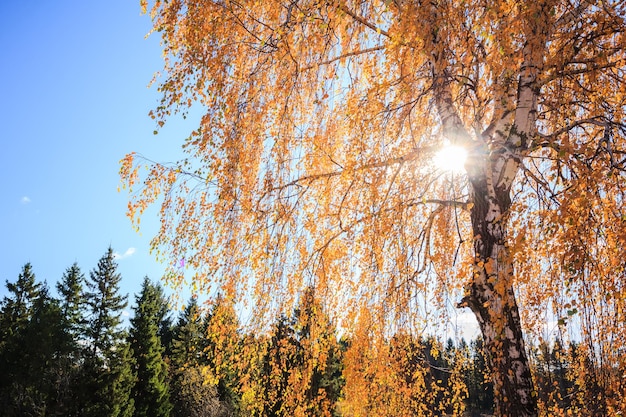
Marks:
<point>361,20</point>
<point>346,55</point>
<point>549,138</point>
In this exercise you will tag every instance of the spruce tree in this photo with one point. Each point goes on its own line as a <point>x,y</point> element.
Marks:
<point>151,392</point>
<point>17,308</point>
<point>35,347</point>
<point>73,302</point>
<point>45,357</point>
<point>108,378</point>
<point>122,381</point>
<point>105,306</point>
<point>16,312</point>
<point>222,344</point>
<point>318,356</point>
<point>187,344</point>
<point>191,396</point>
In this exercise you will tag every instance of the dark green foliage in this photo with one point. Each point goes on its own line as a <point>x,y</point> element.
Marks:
<point>479,386</point>
<point>221,345</point>
<point>107,372</point>
<point>17,312</point>
<point>292,375</point>
<point>105,306</point>
<point>17,309</point>
<point>191,395</point>
<point>188,340</point>
<point>35,351</point>
<point>122,381</point>
<point>73,302</point>
<point>72,357</point>
<point>151,391</point>
<point>278,362</point>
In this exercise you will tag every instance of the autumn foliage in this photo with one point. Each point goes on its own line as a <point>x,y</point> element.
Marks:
<point>313,167</point>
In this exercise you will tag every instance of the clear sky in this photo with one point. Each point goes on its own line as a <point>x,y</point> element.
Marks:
<point>73,101</point>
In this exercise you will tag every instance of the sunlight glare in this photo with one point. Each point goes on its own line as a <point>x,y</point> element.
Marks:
<point>451,158</point>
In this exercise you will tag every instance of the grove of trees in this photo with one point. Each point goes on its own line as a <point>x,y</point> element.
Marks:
<point>313,167</point>
<point>72,355</point>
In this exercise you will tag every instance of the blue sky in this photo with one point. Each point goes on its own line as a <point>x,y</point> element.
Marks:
<point>73,101</point>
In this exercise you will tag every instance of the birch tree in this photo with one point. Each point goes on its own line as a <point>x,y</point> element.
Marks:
<point>313,164</point>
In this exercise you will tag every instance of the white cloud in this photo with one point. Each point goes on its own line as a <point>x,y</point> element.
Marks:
<point>129,252</point>
<point>125,313</point>
<point>25,200</point>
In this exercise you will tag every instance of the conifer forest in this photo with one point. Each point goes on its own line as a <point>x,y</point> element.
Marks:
<point>73,355</point>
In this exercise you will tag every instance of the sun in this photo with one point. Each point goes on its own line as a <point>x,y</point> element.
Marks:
<point>451,158</point>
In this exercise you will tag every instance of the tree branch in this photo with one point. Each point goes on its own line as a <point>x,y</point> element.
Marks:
<point>361,20</point>
<point>346,55</point>
<point>549,138</point>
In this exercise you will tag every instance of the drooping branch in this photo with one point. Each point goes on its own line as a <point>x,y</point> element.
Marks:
<point>411,156</point>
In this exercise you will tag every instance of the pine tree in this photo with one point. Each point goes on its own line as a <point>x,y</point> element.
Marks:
<point>188,337</point>
<point>73,305</point>
<point>319,356</point>
<point>16,313</point>
<point>222,344</point>
<point>73,302</point>
<point>108,375</point>
<point>191,395</point>
<point>45,357</point>
<point>35,350</point>
<point>150,393</point>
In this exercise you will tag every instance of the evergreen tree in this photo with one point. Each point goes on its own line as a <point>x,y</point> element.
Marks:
<point>277,363</point>
<point>46,356</point>
<point>150,393</point>
<point>480,389</point>
<point>17,308</point>
<point>301,370</point>
<point>35,350</point>
<point>191,395</point>
<point>319,356</point>
<point>16,312</point>
<point>73,302</point>
<point>188,342</point>
<point>108,375</point>
<point>121,380</point>
<point>105,306</point>
<point>222,345</point>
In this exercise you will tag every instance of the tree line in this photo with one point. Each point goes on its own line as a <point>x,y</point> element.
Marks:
<point>72,355</point>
